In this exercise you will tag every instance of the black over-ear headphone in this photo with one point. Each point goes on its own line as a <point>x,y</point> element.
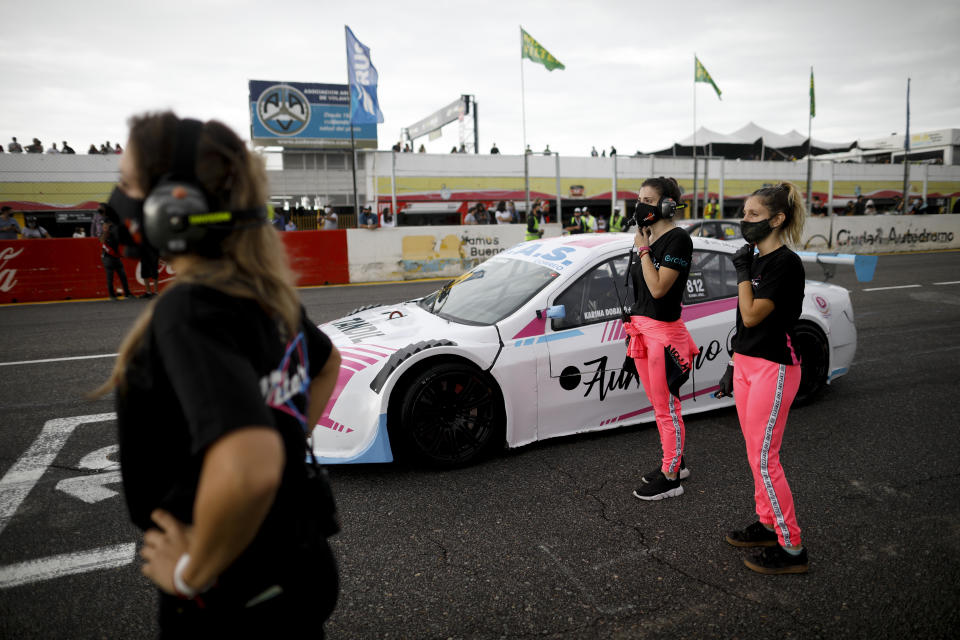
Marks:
<point>177,216</point>
<point>668,208</point>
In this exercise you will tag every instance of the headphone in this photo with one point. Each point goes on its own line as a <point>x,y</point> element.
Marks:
<point>665,209</point>
<point>177,216</point>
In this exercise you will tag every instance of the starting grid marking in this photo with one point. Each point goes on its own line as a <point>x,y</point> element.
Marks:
<point>17,484</point>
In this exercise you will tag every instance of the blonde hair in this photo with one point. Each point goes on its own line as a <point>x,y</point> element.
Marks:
<point>785,198</point>
<point>253,263</point>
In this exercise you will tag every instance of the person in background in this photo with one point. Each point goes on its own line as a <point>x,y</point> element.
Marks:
<point>422,149</point>
<point>329,218</point>
<point>96,222</point>
<point>150,270</point>
<point>368,219</point>
<point>870,209</point>
<point>78,232</point>
<point>93,150</point>
<point>66,148</point>
<point>512,210</point>
<point>593,152</point>
<point>494,150</point>
<point>14,146</point>
<point>591,220</point>
<point>1,148</point>
<point>613,150</point>
<point>469,217</point>
<point>36,147</point>
<point>33,230</point>
<point>578,224</point>
<point>764,375</point>
<point>110,253</point>
<point>9,227</point>
<point>535,222</point>
<point>53,148</point>
<point>601,224</point>
<point>502,215</point>
<point>616,221</point>
<point>660,343</point>
<point>387,219</point>
<point>218,387</point>
<point>817,209</point>
<point>710,211</point>
<point>291,225</point>
<point>117,148</point>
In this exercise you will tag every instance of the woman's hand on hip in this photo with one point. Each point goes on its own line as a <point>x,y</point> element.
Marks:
<point>162,548</point>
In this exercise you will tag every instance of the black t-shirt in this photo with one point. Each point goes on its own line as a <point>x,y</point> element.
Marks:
<point>779,277</point>
<point>673,250</point>
<point>209,364</point>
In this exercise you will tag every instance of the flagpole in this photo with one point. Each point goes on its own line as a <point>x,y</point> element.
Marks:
<point>353,146</point>
<point>810,148</point>
<point>693,212</point>
<point>906,152</point>
<point>523,110</point>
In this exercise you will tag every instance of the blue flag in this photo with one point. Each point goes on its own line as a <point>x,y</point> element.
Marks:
<point>364,106</point>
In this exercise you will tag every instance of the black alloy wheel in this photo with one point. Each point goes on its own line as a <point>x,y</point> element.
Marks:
<point>814,351</point>
<point>451,415</point>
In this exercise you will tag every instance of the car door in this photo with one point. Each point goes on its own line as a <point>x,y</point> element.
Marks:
<point>587,387</point>
<point>709,311</point>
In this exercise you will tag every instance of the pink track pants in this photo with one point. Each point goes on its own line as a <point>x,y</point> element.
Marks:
<point>764,391</point>
<point>666,407</point>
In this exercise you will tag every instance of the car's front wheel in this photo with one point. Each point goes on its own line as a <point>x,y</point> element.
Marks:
<point>451,414</point>
<point>814,351</point>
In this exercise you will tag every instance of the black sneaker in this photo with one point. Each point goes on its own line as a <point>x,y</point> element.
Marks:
<point>650,476</point>
<point>776,560</point>
<point>756,535</point>
<point>661,487</point>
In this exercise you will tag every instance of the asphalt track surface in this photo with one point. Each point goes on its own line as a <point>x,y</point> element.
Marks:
<point>544,541</point>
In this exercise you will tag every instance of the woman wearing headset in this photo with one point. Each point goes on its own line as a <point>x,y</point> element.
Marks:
<point>765,372</point>
<point>659,341</point>
<point>217,386</point>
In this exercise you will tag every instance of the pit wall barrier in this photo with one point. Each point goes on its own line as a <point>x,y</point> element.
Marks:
<point>70,268</point>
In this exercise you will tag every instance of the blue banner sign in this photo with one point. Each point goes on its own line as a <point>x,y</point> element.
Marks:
<point>305,115</point>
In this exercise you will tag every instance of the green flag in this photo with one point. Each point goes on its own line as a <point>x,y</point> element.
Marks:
<point>813,101</point>
<point>700,74</point>
<point>532,50</point>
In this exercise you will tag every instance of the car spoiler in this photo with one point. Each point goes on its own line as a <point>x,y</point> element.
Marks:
<point>863,265</point>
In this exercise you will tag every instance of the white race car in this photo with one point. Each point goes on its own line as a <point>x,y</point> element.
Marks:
<point>529,345</point>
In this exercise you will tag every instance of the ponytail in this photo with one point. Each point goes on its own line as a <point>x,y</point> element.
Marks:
<point>666,187</point>
<point>785,198</point>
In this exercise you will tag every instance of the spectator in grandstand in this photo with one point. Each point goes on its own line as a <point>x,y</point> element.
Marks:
<point>493,150</point>
<point>512,210</point>
<point>870,209</point>
<point>329,218</point>
<point>33,230</point>
<point>387,219</point>
<point>859,206</point>
<point>397,147</point>
<point>9,228</point>
<point>422,149</point>
<point>368,219</point>
<point>593,152</point>
<point>78,232</point>
<point>453,149</point>
<point>849,209</point>
<point>528,151</point>
<point>93,149</point>
<point>53,148</point>
<point>291,225</point>
<point>36,147</point>
<point>1,148</point>
<point>14,146</point>
<point>117,149</point>
<point>66,148</point>
<point>407,149</point>
<point>817,208</point>
<point>547,151</point>
<point>613,150</point>
<point>469,218</point>
<point>106,148</point>
<point>462,149</point>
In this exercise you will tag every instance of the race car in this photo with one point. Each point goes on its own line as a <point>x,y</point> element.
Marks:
<point>530,345</point>
<point>720,229</point>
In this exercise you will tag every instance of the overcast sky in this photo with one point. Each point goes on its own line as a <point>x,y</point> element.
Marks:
<point>77,70</point>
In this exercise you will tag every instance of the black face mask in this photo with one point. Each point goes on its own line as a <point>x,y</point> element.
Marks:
<point>646,214</point>
<point>754,232</point>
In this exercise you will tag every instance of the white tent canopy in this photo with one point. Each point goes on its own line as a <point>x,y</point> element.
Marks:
<point>752,132</point>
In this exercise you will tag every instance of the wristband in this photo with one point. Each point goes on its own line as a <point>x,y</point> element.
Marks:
<point>180,586</point>
<point>644,248</point>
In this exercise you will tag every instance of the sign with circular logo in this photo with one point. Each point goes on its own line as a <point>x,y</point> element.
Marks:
<point>283,110</point>
<point>823,306</point>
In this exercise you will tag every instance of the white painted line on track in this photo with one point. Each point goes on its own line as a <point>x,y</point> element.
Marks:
<point>28,469</point>
<point>902,286</point>
<point>67,564</point>
<point>102,355</point>
<point>951,282</point>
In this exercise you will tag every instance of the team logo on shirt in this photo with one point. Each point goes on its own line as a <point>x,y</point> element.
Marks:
<point>285,388</point>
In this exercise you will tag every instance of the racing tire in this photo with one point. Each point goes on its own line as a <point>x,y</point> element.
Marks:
<point>451,415</point>
<point>814,351</point>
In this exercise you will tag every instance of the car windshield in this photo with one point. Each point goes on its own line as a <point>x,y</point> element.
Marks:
<point>489,292</point>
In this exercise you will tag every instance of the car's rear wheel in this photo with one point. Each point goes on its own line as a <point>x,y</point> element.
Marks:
<point>814,351</point>
<point>451,415</point>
